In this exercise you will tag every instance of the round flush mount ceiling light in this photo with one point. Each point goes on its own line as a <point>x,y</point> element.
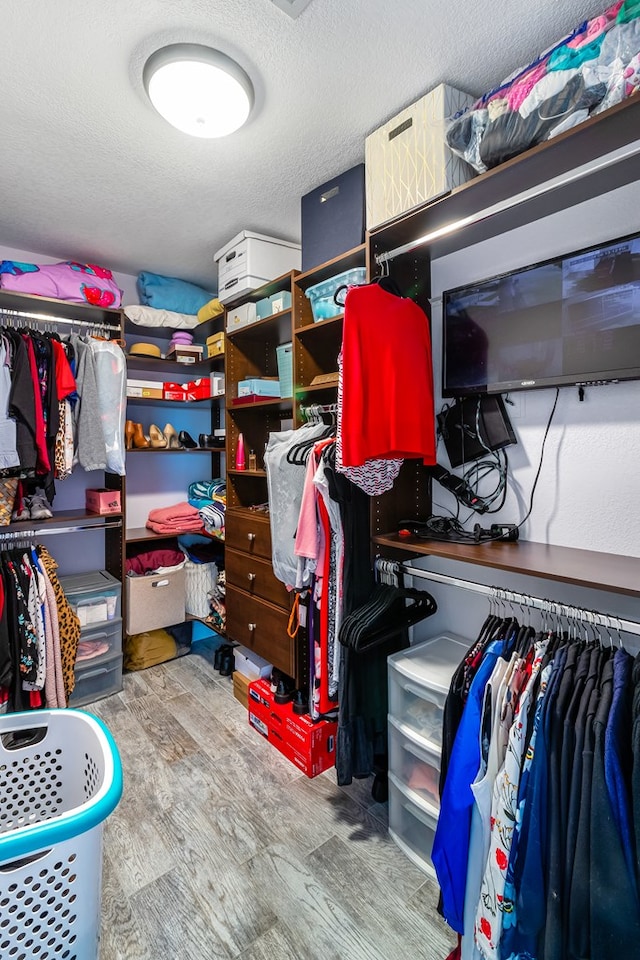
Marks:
<point>199,90</point>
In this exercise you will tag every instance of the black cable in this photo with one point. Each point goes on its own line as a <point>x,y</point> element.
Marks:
<point>544,440</point>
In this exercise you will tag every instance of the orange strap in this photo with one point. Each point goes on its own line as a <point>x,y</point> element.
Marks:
<point>294,618</point>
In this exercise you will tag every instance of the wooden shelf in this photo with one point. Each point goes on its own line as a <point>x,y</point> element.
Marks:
<point>247,473</point>
<point>280,283</point>
<point>589,141</point>
<point>274,403</point>
<point>141,534</point>
<point>208,401</point>
<point>62,518</point>
<point>246,512</point>
<point>276,327</point>
<point>301,392</point>
<point>154,363</point>
<point>585,568</point>
<point>330,325</point>
<point>346,261</point>
<point>60,309</point>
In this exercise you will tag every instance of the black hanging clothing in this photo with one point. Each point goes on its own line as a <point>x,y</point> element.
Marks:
<point>22,403</point>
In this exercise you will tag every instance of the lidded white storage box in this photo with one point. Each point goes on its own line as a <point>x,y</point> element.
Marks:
<point>419,680</point>
<point>251,259</point>
<point>407,159</point>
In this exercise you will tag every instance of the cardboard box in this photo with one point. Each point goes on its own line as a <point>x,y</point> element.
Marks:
<point>407,159</point>
<point>251,259</point>
<point>215,345</point>
<point>239,317</point>
<point>310,746</point>
<point>217,384</point>
<point>155,601</point>
<point>241,688</point>
<point>144,388</point>
<point>100,500</point>
<point>186,354</point>
<point>250,664</point>
<point>259,387</point>
<point>174,391</point>
<point>276,303</point>
<point>199,389</point>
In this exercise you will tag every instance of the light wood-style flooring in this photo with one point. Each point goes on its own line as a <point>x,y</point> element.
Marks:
<point>221,848</point>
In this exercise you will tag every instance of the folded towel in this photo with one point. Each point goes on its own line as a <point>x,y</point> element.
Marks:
<point>172,529</point>
<point>210,310</point>
<point>150,317</point>
<point>169,293</point>
<point>207,489</point>
<point>177,511</point>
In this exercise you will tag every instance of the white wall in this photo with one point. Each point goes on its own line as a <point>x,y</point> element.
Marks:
<point>587,495</point>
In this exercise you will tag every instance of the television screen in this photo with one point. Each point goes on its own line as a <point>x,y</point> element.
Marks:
<point>572,320</point>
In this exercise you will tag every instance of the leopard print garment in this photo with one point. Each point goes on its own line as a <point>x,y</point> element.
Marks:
<point>68,623</point>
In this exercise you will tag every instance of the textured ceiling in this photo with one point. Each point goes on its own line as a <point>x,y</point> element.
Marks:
<point>89,171</point>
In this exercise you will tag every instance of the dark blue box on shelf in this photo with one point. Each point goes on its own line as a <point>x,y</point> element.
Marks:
<point>333,218</point>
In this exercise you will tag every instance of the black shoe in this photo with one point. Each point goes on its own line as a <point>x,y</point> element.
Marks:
<point>284,692</point>
<point>218,655</point>
<point>300,702</point>
<point>227,663</point>
<point>210,442</point>
<point>186,440</point>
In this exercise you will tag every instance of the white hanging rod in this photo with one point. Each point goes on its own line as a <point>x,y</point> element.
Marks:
<point>510,596</point>
<point>502,206</point>
<point>49,319</point>
<point>16,537</point>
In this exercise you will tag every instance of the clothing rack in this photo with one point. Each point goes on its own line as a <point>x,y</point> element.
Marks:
<point>503,206</point>
<point>49,322</point>
<point>500,595</point>
<point>315,410</point>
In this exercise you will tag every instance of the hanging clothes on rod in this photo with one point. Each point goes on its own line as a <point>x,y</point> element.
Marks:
<point>537,848</point>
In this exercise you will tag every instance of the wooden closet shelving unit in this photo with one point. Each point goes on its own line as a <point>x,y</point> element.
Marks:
<point>488,201</point>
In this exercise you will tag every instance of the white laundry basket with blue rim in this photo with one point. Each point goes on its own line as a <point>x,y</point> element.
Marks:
<point>60,778</point>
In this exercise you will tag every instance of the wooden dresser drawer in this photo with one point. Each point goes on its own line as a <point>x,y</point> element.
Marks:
<point>249,534</point>
<point>261,627</point>
<point>256,577</point>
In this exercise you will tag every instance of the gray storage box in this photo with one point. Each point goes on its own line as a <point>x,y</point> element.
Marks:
<point>155,601</point>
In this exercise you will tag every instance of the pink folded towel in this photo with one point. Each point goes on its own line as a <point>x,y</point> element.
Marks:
<point>186,526</point>
<point>176,512</point>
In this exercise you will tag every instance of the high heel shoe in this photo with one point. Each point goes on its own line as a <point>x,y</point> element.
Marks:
<point>157,438</point>
<point>171,436</point>
<point>186,440</point>
<point>129,430</point>
<point>139,439</point>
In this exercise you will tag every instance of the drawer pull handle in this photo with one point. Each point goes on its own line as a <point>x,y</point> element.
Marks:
<point>252,626</point>
<point>251,537</point>
<point>251,577</point>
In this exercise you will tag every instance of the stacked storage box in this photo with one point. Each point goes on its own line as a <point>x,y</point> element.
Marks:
<point>419,680</point>
<point>96,599</point>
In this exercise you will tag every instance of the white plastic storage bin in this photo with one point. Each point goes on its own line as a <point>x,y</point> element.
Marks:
<point>100,640</point>
<point>60,778</point>
<point>412,824</point>
<point>419,680</point>
<point>413,764</point>
<point>407,159</point>
<point>251,259</point>
<point>97,679</point>
<point>95,597</point>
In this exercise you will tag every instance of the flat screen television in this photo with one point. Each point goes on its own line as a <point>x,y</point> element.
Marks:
<point>571,320</point>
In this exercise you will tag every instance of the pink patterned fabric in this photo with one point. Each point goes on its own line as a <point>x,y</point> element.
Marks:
<point>75,282</point>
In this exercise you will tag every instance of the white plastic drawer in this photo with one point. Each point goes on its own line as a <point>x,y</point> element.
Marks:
<point>413,764</point>
<point>416,707</point>
<point>412,826</point>
<point>97,680</point>
<point>99,640</point>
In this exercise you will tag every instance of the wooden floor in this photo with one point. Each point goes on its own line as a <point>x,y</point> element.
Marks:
<point>221,848</point>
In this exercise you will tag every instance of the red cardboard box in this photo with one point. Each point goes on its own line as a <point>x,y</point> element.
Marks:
<point>310,746</point>
<point>100,500</point>
<point>199,389</point>
<point>174,391</point>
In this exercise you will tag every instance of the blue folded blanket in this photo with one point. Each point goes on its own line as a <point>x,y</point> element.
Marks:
<point>168,293</point>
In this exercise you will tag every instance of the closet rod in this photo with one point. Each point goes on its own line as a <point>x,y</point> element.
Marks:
<point>49,318</point>
<point>502,206</point>
<point>511,596</point>
<point>6,539</point>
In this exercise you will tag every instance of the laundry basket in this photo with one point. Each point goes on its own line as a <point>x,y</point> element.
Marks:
<point>60,777</point>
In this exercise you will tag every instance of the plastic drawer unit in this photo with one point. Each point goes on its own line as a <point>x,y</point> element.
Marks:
<point>96,679</point>
<point>412,824</point>
<point>419,680</point>
<point>95,596</point>
<point>413,764</point>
